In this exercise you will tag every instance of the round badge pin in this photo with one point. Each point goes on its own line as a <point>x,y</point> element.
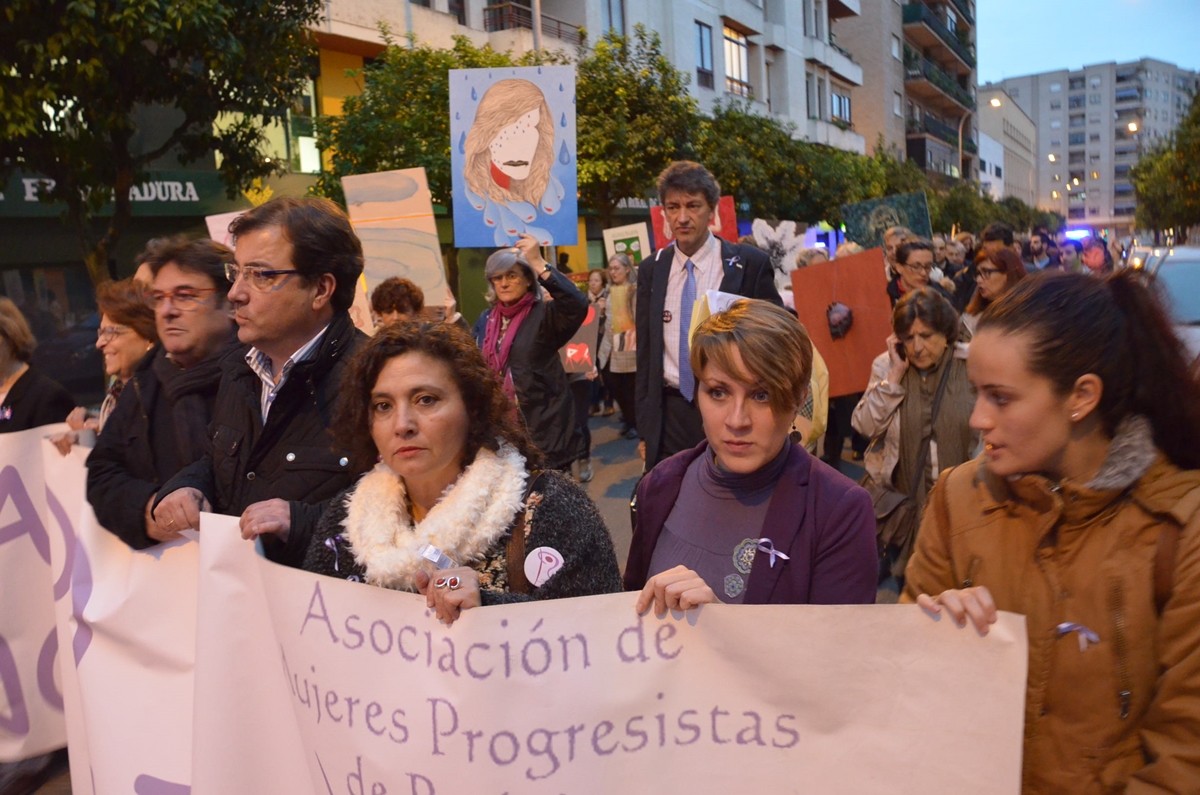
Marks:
<point>541,564</point>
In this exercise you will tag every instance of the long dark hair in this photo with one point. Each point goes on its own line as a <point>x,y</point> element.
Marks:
<point>492,418</point>
<point>1118,330</point>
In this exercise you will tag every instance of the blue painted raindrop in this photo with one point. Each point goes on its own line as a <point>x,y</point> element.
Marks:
<point>539,70</point>
<point>462,144</point>
<point>564,156</point>
<point>560,86</point>
<point>563,121</point>
<point>457,115</point>
<point>474,95</point>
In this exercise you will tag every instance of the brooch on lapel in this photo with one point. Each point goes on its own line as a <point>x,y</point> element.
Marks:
<point>666,315</point>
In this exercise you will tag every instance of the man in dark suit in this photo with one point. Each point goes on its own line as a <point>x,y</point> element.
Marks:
<point>668,285</point>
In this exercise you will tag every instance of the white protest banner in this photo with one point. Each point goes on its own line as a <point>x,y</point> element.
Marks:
<point>127,624</point>
<point>582,695</point>
<point>246,740</point>
<point>31,704</point>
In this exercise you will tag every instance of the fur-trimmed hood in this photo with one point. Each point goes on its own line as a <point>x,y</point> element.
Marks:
<point>473,513</point>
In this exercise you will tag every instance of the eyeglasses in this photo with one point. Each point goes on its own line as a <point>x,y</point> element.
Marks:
<point>914,266</point>
<point>106,334</point>
<point>508,276</point>
<point>987,273</point>
<point>260,279</point>
<point>186,299</point>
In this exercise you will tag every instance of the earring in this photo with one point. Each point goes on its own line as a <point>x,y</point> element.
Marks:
<point>1075,416</point>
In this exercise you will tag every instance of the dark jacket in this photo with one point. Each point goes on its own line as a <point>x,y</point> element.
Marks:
<point>895,293</point>
<point>817,516</point>
<point>34,400</point>
<point>748,273</point>
<point>543,391</point>
<point>292,457</point>
<point>563,517</point>
<point>140,449</point>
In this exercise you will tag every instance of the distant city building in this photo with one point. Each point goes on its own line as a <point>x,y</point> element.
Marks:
<point>783,58</point>
<point>918,95</point>
<point>1092,126</point>
<point>1002,121</point>
<point>991,166</point>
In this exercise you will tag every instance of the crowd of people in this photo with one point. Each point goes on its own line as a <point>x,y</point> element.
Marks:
<point>1030,433</point>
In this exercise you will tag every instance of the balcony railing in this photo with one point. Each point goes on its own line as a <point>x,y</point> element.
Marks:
<point>920,13</point>
<point>917,68</point>
<point>510,16</point>
<point>964,8</point>
<point>942,132</point>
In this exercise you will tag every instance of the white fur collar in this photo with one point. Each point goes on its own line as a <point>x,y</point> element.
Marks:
<point>472,513</point>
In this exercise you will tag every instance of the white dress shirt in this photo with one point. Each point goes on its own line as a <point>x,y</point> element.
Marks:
<point>709,271</point>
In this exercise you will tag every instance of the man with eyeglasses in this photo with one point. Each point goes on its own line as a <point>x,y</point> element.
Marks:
<point>272,461</point>
<point>160,423</point>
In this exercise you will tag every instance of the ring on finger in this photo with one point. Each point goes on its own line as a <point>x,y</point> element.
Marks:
<point>440,582</point>
<point>453,583</point>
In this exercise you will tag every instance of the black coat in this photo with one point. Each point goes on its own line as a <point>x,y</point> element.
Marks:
<point>292,457</point>
<point>543,391</point>
<point>748,273</point>
<point>34,400</point>
<point>139,449</point>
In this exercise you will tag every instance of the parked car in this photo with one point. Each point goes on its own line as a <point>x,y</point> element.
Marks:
<point>1177,272</point>
<point>71,358</point>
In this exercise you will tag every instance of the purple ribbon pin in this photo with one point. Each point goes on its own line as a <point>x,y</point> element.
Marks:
<point>765,545</point>
<point>1085,635</point>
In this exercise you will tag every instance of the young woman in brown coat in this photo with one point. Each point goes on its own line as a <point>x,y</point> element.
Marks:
<point>1083,514</point>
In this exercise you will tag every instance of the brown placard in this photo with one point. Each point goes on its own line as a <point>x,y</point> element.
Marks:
<point>857,281</point>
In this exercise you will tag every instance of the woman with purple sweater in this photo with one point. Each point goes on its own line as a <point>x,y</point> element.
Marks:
<point>748,516</point>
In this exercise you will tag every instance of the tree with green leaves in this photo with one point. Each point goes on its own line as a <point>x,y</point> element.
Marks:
<point>401,118</point>
<point>77,78</point>
<point>754,158</point>
<point>1167,180</point>
<point>634,117</point>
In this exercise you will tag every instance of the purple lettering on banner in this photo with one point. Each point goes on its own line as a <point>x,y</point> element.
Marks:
<point>76,574</point>
<point>45,671</point>
<point>149,785</point>
<point>29,524</point>
<point>17,721</point>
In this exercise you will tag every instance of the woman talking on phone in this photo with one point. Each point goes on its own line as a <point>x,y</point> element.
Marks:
<point>915,413</point>
<point>1083,515</point>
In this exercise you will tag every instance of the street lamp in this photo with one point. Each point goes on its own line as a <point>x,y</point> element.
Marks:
<point>961,122</point>
<point>1133,126</point>
<point>1052,157</point>
<point>995,102</point>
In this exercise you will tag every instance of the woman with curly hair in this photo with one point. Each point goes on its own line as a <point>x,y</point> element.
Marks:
<point>456,508</point>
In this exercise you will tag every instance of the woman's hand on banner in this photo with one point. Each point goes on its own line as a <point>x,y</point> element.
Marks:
<point>269,516</point>
<point>180,510</point>
<point>973,603</point>
<point>449,591</point>
<point>679,588</point>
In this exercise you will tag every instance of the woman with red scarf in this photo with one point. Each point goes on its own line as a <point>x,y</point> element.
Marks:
<point>520,336</point>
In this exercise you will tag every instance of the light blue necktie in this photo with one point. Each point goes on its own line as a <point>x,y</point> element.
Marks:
<point>687,381</point>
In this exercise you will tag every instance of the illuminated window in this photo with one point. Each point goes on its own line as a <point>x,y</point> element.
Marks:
<point>737,64</point>
<point>1055,194</point>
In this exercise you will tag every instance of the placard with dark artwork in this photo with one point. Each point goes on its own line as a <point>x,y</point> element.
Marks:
<point>867,221</point>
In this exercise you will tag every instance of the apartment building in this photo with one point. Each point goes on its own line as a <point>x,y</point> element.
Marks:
<point>1092,126</point>
<point>920,98</point>
<point>783,58</point>
<point>991,166</point>
<point>1001,120</point>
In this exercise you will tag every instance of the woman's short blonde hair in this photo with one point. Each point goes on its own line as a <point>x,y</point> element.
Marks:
<point>775,349</point>
<point>15,330</point>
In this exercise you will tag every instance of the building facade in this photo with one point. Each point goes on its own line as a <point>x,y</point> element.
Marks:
<point>991,166</point>
<point>1092,126</point>
<point>1002,121</point>
<point>920,98</point>
<point>783,59</point>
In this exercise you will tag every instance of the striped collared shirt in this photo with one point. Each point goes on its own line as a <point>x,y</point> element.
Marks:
<point>260,363</point>
<point>709,272</point>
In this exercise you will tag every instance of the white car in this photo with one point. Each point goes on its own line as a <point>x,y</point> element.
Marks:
<point>1177,273</point>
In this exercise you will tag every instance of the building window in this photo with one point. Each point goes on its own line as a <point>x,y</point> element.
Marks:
<point>1076,101</point>
<point>1093,211</point>
<point>1055,194</point>
<point>1075,83</point>
<point>819,19</point>
<point>1127,210</point>
<point>983,165</point>
<point>1055,124</point>
<point>1094,157</point>
<point>613,12</point>
<point>810,93</point>
<point>897,104</point>
<point>1095,82</point>
<point>1094,99</point>
<point>1014,92</point>
<point>737,64</point>
<point>896,47</point>
<point>1075,139</point>
<point>1121,172</point>
<point>1094,118</point>
<point>998,174</point>
<point>458,8</point>
<point>1094,138</point>
<point>1077,120</point>
<point>1056,105</point>
<point>1127,94</point>
<point>840,107</point>
<point>1056,142</point>
<point>1074,158</point>
<point>1058,177</point>
<point>1075,212</point>
<point>704,56</point>
<point>1055,88</point>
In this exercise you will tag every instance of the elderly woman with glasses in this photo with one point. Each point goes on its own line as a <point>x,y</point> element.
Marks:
<point>126,335</point>
<point>520,337</point>
<point>913,267</point>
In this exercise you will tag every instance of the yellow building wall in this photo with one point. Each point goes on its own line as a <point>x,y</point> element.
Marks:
<point>578,254</point>
<point>333,86</point>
